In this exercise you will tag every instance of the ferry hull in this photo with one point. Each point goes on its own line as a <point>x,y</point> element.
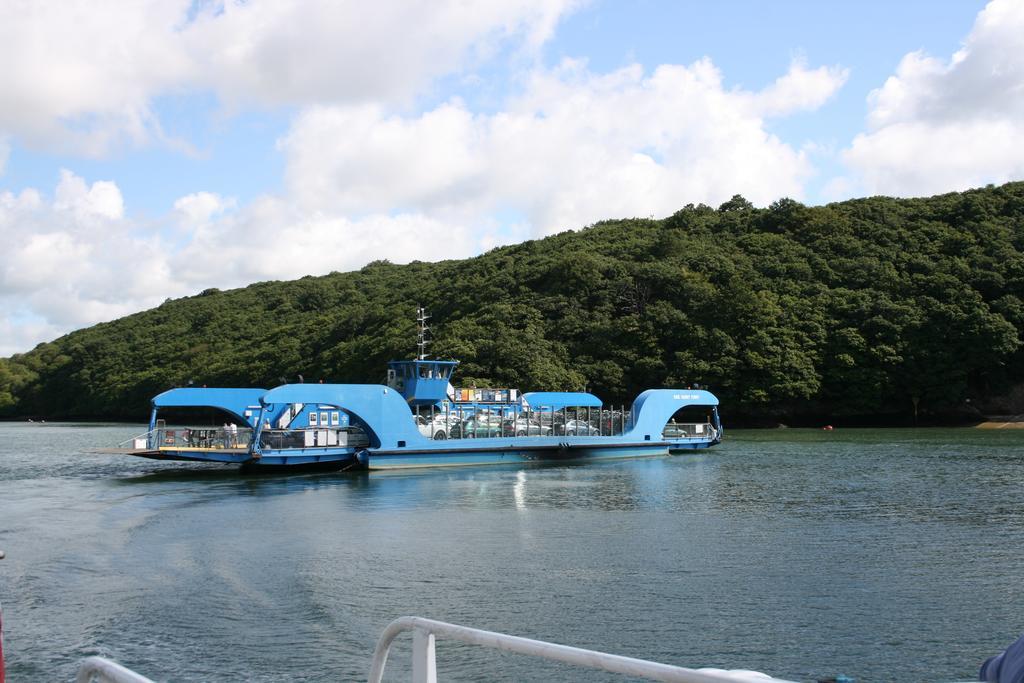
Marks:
<point>236,456</point>
<point>308,458</point>
<point>309,464</point>
<point>677,447</point>
<point>511,453</point>
<point>464,452</point>
<point>322,459</point>
<point>472,452</point>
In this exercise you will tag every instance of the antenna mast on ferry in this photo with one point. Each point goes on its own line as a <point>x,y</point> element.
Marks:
<point>424,332</point>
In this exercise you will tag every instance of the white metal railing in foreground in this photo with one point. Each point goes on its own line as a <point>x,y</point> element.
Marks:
<point>106,671</point>
<point>424,666</point>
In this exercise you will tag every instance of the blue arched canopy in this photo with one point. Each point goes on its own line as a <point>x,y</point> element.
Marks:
<point>555,400</point>
<point>653,408</point>
<point>233,401</point>
<point>381,411</point>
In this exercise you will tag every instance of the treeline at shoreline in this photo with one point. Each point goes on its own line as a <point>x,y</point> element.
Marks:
<point>867,311</point>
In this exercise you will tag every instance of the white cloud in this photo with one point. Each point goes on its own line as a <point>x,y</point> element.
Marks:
<point>101,201</point>
<point>271,239</point>
<point>328,51</point>
<point>938,126</point>
<point>82,76</point>
<point>358,159</point>
<point>18,334</point>
<point>575,147</point>
<point>801,89</point>
<point>74,260</point>
<point>199,209</point>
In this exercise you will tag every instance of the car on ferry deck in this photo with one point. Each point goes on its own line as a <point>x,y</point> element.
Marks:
<point>580,428</point>
<point>522,425</point>
<point>439,428</point>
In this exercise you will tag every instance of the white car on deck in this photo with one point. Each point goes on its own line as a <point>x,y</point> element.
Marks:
<point>439,428</point>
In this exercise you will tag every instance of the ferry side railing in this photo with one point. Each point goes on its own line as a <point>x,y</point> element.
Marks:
<point>424,665</point>
<point>201,437</point>
<point>313,437</point>
<point>461,422</point>
<point>689,430</point>
<point>105,671</point>
<point>189,437</point>
<point>142,438</point>
<point>533,424</point>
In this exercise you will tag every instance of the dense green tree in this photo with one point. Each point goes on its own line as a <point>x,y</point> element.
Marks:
<point>871,307</point>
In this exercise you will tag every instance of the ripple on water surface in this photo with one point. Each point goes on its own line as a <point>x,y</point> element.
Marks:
<point>882,554</point>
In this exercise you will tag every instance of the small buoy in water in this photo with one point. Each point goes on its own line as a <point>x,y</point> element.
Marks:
<point>827,428</point>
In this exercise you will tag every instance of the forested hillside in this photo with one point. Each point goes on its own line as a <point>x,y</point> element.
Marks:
<point>860,308</point>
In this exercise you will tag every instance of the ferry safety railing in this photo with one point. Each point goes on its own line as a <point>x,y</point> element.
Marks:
<point>202,437</point>
<point>467,422</point>
<point>689,430</point>
<point>313,437</point>
<point>105,671</point>
<point>424,661</point>
<point>138,438</point>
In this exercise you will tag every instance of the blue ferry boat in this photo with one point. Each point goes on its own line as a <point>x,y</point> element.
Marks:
<point>413,422</point>
<point>419,420</point>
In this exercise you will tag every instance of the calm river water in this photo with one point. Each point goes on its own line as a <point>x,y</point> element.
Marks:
<point>881,554</point>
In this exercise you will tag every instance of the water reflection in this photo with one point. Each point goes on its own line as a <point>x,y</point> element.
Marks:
<point>519,490</point>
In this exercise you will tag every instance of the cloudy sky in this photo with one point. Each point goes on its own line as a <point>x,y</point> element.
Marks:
<point>155,148</point>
